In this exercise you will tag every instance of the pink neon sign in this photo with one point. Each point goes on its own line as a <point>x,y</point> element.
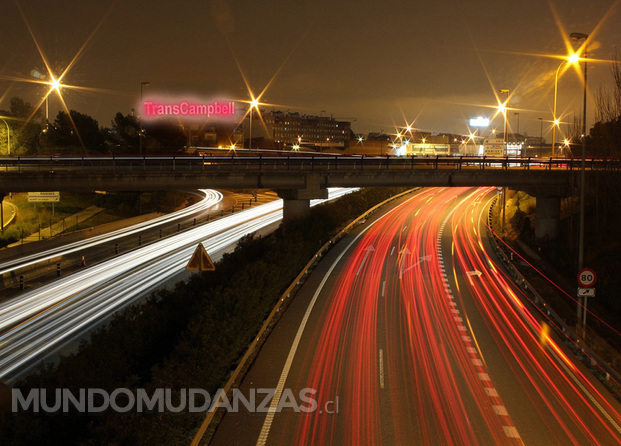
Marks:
<point>155,109</point>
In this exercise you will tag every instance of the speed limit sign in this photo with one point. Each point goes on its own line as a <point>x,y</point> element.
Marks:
<point>587,278</point>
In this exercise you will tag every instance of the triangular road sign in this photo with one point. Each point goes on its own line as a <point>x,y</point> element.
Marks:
<point>200,260</point>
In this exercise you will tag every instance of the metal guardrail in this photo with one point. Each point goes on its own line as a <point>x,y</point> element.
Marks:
<point>605,373</point>
<point>102,164</point>
<point>64,264</point>
<point>248,357</point>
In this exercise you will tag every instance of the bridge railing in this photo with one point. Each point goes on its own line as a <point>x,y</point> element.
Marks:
<point>292,163</point>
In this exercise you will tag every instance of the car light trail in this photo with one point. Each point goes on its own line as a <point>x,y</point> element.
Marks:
<point>211,198</point>
<point>38,322</point>
<point>425,341</point>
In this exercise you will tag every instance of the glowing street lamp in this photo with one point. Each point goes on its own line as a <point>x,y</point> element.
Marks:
<point>503,108</point>
<point>253,104</point>
<point>54,84</point>
<point>573,58</point>
<point>578,37</point>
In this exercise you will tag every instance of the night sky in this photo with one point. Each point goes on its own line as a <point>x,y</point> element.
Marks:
<point>383,63</point>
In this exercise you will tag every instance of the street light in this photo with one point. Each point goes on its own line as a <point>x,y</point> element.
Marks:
<point>578,37</point>
<point>8,137</point>
<point>573,58</point>
<point>140,135</point>
<point>253,104</point>
<point>540,136</point>
<point>518,122</point>
<point>503,108</point>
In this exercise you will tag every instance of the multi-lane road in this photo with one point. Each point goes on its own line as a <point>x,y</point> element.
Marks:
<point>38,322</point>
<point>409,332</point>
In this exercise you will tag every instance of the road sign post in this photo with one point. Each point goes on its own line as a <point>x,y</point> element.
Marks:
<point>586,279</point>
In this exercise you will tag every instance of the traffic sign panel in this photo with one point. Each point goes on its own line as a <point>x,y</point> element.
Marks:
<point>587,278</point>
<point>586,292</point>
<point>200,260</point>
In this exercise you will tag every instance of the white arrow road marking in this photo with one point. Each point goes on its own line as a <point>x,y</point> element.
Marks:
<point>420,260</point>
<point>364,259</point>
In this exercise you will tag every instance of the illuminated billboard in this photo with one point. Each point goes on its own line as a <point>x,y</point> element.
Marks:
<point>479,121</point>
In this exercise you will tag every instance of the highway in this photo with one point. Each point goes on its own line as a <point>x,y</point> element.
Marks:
<point>410,333</point>
<point>210,198</point>
<point>38,322</point>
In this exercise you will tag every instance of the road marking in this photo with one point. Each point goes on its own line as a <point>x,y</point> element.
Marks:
<point>491,391</point>
<point>511,432</point>
<point>484,377</point>
<point>392,250</point>
<point>269,418</point>
<point>364,259</point>
<point>381,368</point>
<point>383,288</point>
<point>500,410</point>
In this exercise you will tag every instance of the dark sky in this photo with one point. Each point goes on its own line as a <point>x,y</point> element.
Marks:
<point>380,62</point>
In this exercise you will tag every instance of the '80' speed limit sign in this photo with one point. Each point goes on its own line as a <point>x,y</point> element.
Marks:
<point>587,277</point>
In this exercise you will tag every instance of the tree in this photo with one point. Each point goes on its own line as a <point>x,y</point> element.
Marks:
<point>605,136</point>
<point>76,130</point>
<point>26,124</point>
<point>124,132</point>
<point>163,137</point>
<point>159,136</point>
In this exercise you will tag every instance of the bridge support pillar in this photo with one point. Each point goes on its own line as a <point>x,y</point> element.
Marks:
<point>296,202</point>
<point>1,213</point>
<point>295,209</point>
<point>548,217</point>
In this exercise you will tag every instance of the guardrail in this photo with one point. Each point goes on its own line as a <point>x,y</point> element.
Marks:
<point>271,320</point>
<point>591,359</point>
<point>20,277</point>
<point>306,163</point>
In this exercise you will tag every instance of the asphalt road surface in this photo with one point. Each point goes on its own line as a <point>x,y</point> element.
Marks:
<point>409,332</point>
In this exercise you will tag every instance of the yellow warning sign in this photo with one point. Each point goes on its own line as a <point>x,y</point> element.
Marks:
<point>200,260</point>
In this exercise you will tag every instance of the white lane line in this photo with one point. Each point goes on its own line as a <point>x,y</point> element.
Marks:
<point>392,250</point>
<point>381,368</point>
<point>511,432</point>
<point>484,377</point>
<point>491,391</point>
<point>500,410</point>
<point>269,418</point>
<point>383,288</point>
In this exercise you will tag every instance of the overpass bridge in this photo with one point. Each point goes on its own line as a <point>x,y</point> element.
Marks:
<point>298,179</point>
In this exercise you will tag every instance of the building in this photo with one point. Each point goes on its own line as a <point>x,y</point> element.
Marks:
<point>313,132</point>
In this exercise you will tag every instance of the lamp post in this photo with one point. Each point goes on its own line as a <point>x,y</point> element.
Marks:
<point>540,136</point>
<point>554,120</point>
<point>504,189</point>
<point>253,104</point>
<point>578,37</point>
<point>518,122</point>
<point>140,134</point>
<point>8,137</point>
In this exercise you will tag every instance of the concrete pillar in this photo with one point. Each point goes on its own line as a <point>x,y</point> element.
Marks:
<point>548,217</point>
<point>1,213</point>
<point>295,209</point>
<point>296,202</point>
